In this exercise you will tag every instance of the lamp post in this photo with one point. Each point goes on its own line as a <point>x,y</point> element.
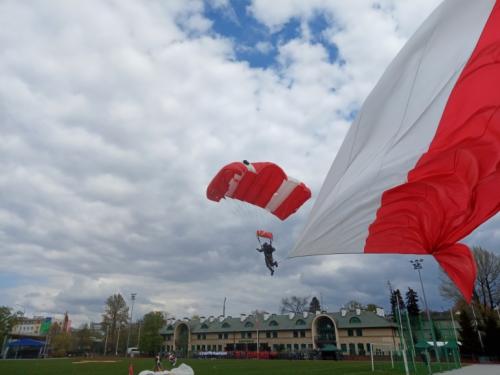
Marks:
<point>417,265</point>
<point>476,325</point>
<point>132,297</point>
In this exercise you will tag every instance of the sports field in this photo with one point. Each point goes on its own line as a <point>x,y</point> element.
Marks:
<point>201,367</point>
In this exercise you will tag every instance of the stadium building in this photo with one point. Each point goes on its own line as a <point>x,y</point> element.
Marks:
<point>348,332</point>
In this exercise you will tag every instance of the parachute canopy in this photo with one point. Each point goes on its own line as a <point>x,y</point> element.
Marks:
<point>264,234</point>
<point>262,184</point>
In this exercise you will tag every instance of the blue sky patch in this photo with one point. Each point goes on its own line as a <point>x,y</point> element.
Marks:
<point>255,43</point>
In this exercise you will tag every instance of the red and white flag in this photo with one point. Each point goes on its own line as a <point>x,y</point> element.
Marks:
<point>420,167</point>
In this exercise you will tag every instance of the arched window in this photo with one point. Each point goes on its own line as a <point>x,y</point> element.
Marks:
<point>170,328</point>
<point>300,322</point>
<point>226,325</point>
<point>354,319</point>
<point>248,324</point>
<point>204,326</point>
<point>273,323</point>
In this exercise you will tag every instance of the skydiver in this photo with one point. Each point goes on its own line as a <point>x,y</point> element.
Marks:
<point>268,250</point>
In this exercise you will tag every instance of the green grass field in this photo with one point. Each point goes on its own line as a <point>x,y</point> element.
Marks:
<point>201,367</point>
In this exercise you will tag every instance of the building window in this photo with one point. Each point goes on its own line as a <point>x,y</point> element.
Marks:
<point>361,349</point>
<point>268,334</point>
<point>368,348</point>
<point>204,326</point>
<point>198,347</point>
<point>273,323</point>
<point>226,325</point>
<point>198,336</point>
<point>303,346</point>
<point>350,332</point>
<point>248,325</point>
<point>220,348</point>
<point>295,334</point>
<point>359,332</point>
<point>354,319</point>
<point>302,333</point>
<point>295,346</point>
<point>343,347</point>
<point>204,336</point>
<point>289,347</point>
<point>275,334</point>
<point>226,335</point>
<point>193,348</point>
<point>352,349</point>
<point>243,335</point>
<point>300,322</point>
<point>249,335</point>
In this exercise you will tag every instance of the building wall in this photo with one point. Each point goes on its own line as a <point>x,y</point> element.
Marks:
<point>383,339</point>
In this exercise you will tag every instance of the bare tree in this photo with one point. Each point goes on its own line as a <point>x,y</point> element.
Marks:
<point>115,315</point>
<point>294,304</point>
<point>488,272</point>
<point>486,289</point>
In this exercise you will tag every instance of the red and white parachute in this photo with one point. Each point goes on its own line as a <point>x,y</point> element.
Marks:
<point>263,184</point>
<point>420,167</point>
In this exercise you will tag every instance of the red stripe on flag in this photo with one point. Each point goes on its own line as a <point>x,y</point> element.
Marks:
<point>455,186</point>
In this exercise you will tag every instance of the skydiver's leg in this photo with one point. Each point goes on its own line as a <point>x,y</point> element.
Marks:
<point>269,265</point>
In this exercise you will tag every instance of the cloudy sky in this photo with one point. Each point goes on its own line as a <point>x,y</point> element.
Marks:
<point>115,115</point>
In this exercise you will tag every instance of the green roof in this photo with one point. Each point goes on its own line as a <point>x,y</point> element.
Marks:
<point>277,322</point>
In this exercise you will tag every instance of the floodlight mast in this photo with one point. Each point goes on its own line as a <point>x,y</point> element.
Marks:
<point>417,266</point>
<point>132,297</point>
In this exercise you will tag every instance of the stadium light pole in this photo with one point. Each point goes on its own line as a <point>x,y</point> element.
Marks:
<point>132,297</point>
<point>417,265</point>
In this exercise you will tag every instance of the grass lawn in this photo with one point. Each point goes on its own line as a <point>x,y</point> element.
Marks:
<point>200,367</point>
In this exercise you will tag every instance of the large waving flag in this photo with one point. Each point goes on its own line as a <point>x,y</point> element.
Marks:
<point>420,167</point>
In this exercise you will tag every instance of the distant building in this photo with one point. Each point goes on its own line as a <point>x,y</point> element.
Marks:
<point>350,332</point>
<point>38,326</point>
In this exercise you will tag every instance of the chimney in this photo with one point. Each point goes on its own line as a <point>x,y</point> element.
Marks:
<point>291,315</point>
<point>243,317</point>
<point>380,312</point>
<point>305,314</point>
<point>358,311</point>
<point>343,312</point>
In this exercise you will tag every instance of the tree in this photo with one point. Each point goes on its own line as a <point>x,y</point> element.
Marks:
<point>314,305</point>
<point>487,285</point>
<point>293,304</point>
<point>61,343</point>
<point>115,317</point>
<point>468,335</point>
<point>151,341</point>
<point>8,319</point>
<point>488,273</point>
<point>395,298</point>
<point>83,339</point>
<point>491,334</point>
<point>412,303</point>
